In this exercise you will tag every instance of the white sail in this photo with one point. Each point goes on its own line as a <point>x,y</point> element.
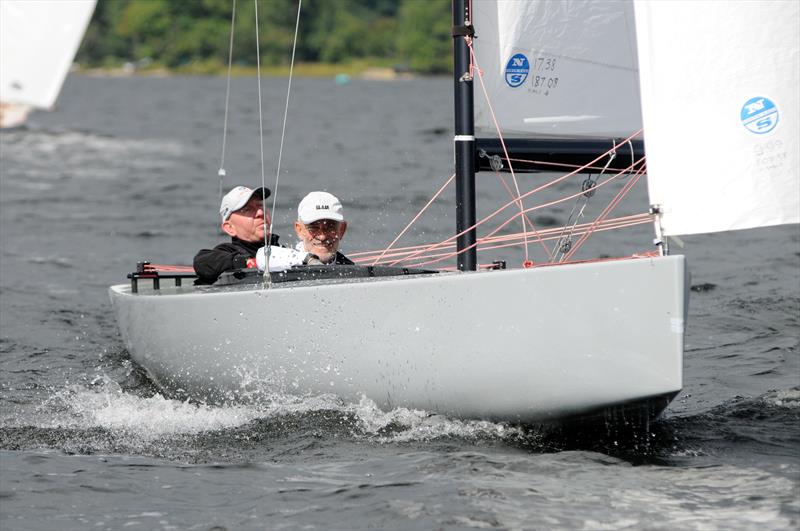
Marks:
<point>719,84</point>
<point>557,68</point>
<point>38,41</point>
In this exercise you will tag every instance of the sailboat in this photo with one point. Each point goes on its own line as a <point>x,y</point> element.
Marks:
<point>568,83</point>
<point>38,41</point>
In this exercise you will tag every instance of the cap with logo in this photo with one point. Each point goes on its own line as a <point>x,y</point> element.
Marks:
<point>238,198</point>
<point>319,205</point>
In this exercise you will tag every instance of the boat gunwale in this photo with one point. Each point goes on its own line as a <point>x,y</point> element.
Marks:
<point>123,290</point>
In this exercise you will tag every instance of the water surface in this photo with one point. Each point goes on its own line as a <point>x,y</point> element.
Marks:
<point>126,169</point>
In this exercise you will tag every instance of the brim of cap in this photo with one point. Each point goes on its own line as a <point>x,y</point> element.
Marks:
<point>322,215</point>
<point>257,193</point>
<point>243,201</point>
<point>246,198</point>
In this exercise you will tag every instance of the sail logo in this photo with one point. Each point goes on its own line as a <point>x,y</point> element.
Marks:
<point>759,115</point>
<point>517,70</point>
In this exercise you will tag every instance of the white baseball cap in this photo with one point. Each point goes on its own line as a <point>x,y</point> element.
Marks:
<point>237,198</point>
<point>319,205</point>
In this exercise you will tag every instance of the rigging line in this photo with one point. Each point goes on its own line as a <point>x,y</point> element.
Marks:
<point>533,226</point>
<point>366,256</point>
<point>605,226</point>
<point>502,141</point>
<point>559,164</point>
<point>261,146</point>
<point>516,238</point>
<point>611,206</point>
<point>221,173</point>
<point>512,218</point>
<point>526,194</point>
<point>285,114</point>
<point>436,195</point>
<point>606,211</point>
<point>498,243</point>
<point>563,244</point>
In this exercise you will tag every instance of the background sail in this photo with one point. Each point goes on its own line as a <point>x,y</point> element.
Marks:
<point>38,41</point>
<point>560,68</point>
<point>720,103</point>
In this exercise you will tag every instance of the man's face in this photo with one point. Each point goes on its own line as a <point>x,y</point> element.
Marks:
<point>321,237</point>
<point>249,223</point>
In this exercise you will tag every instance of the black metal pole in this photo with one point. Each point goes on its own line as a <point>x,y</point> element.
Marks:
<point>464,137</point>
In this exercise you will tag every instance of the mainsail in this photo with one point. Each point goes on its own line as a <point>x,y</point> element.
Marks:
<point>557,68</point>
<point>719,85</point>
<point>38,41</point>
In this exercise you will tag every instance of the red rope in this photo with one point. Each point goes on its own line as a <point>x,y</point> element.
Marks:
<point>496,212</point>
<point>611,206</point>
<point>496,242</point>
<point>502,143</point>
<point>637,256</point>
<point>437,194</point>
<point>168,268</point>
<point>535,190</point>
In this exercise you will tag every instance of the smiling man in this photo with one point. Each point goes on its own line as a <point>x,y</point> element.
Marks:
<point>321,226</point>
<point>245,219</point>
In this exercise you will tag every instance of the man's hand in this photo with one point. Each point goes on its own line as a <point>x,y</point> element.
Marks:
<point>280,258</point>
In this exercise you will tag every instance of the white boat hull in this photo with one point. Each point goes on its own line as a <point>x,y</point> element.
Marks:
<point>526,345</point>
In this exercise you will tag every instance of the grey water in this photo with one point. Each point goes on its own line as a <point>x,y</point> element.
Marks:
<point>125,169</point>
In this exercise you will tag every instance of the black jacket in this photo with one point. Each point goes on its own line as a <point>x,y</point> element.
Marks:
<point>209,264</point>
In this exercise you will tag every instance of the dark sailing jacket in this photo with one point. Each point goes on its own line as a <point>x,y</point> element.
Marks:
<point>209,264</point>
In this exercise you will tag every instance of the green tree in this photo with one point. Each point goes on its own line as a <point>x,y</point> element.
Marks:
<point>177,32</point>
<point>102,43</point>
<point>424,41</point>
<point>146,24</point>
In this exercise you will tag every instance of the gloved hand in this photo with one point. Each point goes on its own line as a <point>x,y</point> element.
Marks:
<point>280,258</point>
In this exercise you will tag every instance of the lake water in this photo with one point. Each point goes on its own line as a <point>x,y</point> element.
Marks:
<point>126,169</point>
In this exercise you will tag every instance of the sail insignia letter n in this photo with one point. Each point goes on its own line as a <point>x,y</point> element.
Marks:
<point>517,70</point>
<point>759,115</point>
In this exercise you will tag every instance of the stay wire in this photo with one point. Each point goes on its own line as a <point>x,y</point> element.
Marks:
<point>221,173</point>
<point>261,144</point>
<point>285,113</point>
<point>563,245</point>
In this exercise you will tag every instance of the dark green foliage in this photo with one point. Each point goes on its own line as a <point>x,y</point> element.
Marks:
<point>424,41</point>
<point>174,33</point>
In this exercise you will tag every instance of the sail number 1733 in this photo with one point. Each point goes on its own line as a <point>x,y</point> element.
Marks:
<point>544,76</point>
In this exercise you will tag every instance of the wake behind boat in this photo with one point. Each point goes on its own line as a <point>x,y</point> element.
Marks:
<point>564,340</point>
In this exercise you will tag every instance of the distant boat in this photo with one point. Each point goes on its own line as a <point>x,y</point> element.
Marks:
<point>568,342</point>
<point>38,42</point>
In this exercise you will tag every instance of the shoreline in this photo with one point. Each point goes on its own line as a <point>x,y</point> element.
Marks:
<point>341,72</point>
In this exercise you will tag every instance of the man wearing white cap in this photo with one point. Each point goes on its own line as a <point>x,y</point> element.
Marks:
<point>321,226</point>
<point>245,219</point>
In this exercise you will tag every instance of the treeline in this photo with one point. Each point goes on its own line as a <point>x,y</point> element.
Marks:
<point>414,34</point>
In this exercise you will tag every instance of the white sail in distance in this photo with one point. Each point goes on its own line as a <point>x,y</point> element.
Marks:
<point>557,68</point>
<point>38,41</point>
<point>719,86</point>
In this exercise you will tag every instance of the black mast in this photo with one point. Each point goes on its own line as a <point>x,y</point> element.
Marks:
<point>464,137</point>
